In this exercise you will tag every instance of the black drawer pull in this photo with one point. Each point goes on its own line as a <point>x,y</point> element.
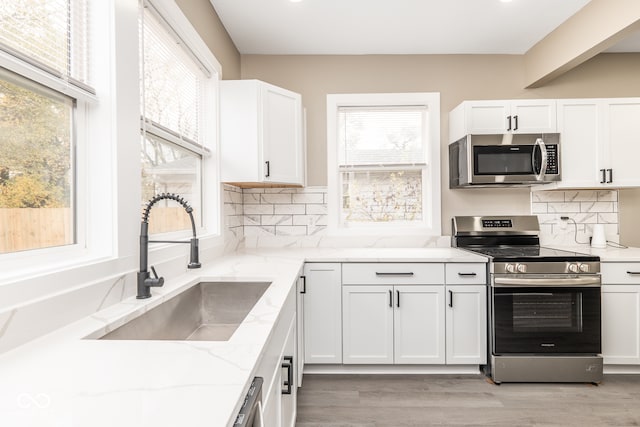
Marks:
<point>633,273</point>
<point>289,382</point>
<point>304,284</point>
<point>451,299</point>
<point>390,298</point>
<point>467,274</point>
<point>410,273</point>
<point>397,298</point>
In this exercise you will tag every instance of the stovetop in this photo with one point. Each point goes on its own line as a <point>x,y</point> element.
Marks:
<point>531,254</point>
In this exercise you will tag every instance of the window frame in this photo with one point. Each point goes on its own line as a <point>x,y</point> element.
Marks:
<point>83,101</point>
<point>431,191</point>
<point>211,214</point>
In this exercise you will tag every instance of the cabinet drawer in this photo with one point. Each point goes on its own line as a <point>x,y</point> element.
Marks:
<point>396,273</point>
<point>466,274</point>
<point>620,273</point>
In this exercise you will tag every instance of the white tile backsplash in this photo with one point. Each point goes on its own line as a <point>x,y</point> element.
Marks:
<point>260,212</point>
<point>584,208</point>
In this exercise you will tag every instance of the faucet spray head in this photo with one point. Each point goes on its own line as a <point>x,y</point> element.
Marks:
<point>194,261</point>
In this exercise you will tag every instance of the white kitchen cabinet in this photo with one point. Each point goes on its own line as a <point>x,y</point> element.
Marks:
<point>367,328</point>
<point>393,324</point>
<point>279,409</point>
<point>599,143</point>
<point>261,141</point>
<point>466,320</point>
<point>502,116</point>
<point>322,313</point>
<point>289,380</point>
<point>419,325</point>
<point>301,288</point>
<point>621,313</point>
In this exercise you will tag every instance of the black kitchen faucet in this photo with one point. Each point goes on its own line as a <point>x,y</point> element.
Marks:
<point>145,282</point>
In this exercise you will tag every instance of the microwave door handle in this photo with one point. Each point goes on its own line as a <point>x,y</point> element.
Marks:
<point>543,160</point>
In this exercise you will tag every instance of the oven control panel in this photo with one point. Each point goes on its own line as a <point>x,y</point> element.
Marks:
<point>568,267</point>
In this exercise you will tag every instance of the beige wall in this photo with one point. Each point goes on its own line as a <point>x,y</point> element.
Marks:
<point>457,78</point>
<point>205,20</point>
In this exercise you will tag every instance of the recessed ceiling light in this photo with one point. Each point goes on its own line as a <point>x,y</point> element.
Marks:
<point>503,1</point>
<point>295,1</point>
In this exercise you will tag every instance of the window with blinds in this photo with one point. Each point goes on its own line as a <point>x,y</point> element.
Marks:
<point>49,34</point>
<point>172,101</point>
<point>381,159</point>
<point>38,120</point>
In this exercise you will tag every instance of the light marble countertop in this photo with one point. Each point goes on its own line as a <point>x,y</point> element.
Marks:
<point>63,380</point>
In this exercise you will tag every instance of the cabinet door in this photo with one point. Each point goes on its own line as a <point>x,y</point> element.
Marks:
<point>621,324</point>
<point>288,401</point>
<point>419,325</point>
<point>282,135</point>
<point>466,324</point>
<point>367,329</point>
<point>301,287</point>
<point>580,126</point>
<point>486,117</point>
<point>622,137</point>
<point>323,313</point>
<point>533,116</point>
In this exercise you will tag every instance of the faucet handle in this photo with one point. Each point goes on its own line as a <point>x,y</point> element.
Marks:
<point>153,270</point>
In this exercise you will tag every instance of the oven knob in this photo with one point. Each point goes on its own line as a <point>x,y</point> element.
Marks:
<point>511,268</point>
<point>522,268</point>
<point>584,268</point>
<point>573,268</point>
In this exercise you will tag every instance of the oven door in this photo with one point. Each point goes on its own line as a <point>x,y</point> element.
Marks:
<point>540,315</point>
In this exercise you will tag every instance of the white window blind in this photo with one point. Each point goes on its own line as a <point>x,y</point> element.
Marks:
<point>171,83</point>
<point>381,136</point>
<point>50,35</point>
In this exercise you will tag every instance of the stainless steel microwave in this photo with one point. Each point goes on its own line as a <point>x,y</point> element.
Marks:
<point>504,160</point>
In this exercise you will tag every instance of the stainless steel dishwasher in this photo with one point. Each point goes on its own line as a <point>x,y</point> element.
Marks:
<point>249,414</point>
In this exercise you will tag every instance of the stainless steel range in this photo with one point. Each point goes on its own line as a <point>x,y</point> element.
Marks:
<point>544,304</point>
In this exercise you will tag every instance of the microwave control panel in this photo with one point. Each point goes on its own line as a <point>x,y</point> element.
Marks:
<point>552,159</point>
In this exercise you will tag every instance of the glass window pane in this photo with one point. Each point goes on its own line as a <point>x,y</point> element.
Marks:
<point>36,167</point>
<point>171,82</point>
<point>381,196</point>
<point>167,168</point>
<point>51,32</point>
<point>381,135</point>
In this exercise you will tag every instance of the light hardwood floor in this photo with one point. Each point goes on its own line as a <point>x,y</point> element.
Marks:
<point>425,400</point>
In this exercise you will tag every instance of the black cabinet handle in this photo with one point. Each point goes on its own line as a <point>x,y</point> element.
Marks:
<point>390,298</point>
<point>397,298</point>
<point>288,364</point>
<point>450,298</point>
<point>509,122</point>
<point>515,119</point>
<point>610,173</point>
<point>409,273</point>
<point>633,273</point>
<point>268,169</point>
<point>304,284</point>
<point>604,176</point>
<point>467,274</point>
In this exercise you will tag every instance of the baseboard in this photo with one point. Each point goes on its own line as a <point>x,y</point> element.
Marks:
<point>621,369</point>
<point>393,369</point>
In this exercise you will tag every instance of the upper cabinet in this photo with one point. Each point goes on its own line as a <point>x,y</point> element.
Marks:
<point>261,133</point>
<point>599,143</point>
<point>498,117</point>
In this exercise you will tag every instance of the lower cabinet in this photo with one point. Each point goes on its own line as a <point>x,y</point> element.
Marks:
<point>322,320</point>
<point>393,324</point>
<point>278,368</point>
<point>466,320</point>
<point>621,324</point>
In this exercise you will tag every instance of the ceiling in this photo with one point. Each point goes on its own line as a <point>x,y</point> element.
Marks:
<point>354,27</point>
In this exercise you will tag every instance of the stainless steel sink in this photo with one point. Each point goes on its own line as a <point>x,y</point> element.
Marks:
<point>209,311</point>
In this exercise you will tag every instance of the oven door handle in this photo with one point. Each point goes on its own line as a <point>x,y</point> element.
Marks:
<point>591,282</point>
